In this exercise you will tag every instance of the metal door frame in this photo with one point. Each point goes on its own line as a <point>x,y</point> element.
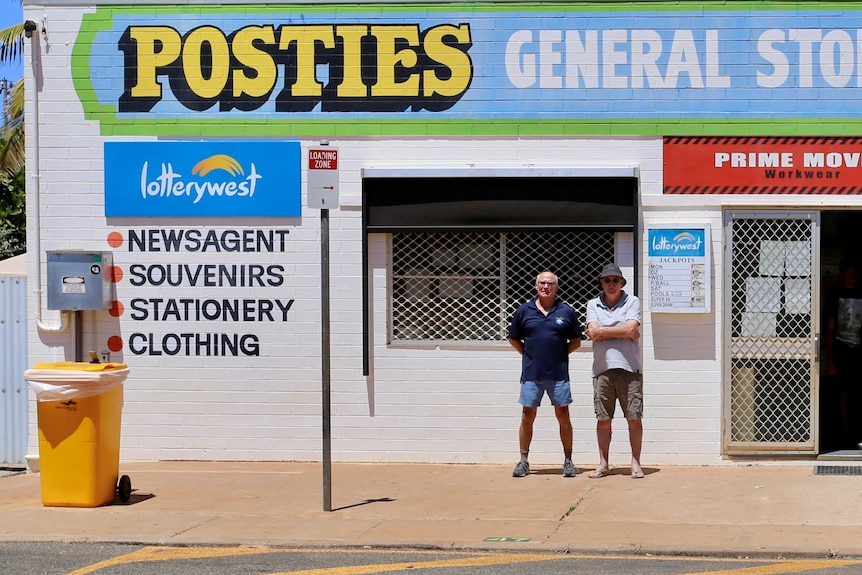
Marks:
<point>795,350</point>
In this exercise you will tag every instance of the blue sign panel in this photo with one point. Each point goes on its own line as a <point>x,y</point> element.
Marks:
<point>677,242</point>
<point>554,64</point>
<point>202,179</point>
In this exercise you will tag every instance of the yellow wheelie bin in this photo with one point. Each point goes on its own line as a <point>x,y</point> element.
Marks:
<point>79,409</point>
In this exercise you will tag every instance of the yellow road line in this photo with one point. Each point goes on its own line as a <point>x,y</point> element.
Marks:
<point>481,561</point>
<point>153,554</point>
<point>149,554</point>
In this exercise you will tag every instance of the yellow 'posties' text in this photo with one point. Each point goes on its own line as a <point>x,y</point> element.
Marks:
<point>341,68</point>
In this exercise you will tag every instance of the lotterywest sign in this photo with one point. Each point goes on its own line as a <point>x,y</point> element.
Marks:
<point>189,179</point>
<point>513,68</point>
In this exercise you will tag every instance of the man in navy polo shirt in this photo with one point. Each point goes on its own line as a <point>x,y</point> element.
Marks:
<point>545,331</point>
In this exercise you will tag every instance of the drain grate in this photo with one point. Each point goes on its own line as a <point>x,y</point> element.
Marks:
<point>838,470</point>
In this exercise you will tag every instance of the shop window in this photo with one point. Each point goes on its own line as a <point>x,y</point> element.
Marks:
<point>464,286</point>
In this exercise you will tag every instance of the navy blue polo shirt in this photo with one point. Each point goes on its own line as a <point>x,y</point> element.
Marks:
<point>546,340</point>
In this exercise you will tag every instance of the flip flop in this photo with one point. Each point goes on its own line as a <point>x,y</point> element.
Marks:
<point>637,474</point>
<point>598,473</point>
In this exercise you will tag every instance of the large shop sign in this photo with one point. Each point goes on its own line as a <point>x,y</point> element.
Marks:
<point>471,68</point>
<point>767,165</point>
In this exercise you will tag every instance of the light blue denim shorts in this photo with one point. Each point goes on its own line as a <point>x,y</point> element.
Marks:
<point>559,392</point>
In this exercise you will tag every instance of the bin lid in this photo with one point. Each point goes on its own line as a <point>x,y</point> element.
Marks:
<point>64,380</point>
<point>80,366</point>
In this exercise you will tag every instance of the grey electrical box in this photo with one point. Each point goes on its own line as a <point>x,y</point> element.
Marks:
<point>79,280</point>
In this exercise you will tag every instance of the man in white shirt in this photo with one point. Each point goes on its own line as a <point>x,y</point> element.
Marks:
<point>613,325</point>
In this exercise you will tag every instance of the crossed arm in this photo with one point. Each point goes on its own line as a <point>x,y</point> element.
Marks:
<point>628,330</point>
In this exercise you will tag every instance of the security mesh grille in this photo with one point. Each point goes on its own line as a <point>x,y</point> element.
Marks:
<point>464,286</point>
<point>771,334</point>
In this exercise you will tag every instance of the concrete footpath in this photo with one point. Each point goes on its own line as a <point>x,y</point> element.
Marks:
<point>792,509</point>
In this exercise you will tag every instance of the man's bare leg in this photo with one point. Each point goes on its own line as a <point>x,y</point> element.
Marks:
<point>604,431</point>
<point>566,433</point>
<point>636,434</point>
<point>525,432</point>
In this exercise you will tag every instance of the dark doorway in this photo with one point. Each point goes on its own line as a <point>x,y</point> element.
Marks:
<point>840,237</point>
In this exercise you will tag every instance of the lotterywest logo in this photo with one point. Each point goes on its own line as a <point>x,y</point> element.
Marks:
<point>228,179</point>
<point>371,67</point>
<point>683,242</point>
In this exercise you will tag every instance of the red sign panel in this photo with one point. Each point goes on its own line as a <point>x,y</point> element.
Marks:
<point>763,165</point>
<point>322,159</point>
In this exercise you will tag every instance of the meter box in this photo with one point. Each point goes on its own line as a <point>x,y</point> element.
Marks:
<point>79,280</point>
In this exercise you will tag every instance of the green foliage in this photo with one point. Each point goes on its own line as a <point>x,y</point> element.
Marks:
<point>13,234</point>
<point>12,43</point>
<point>12,128</point>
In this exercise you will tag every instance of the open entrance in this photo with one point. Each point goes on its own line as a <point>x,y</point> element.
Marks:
<point>840,410</point>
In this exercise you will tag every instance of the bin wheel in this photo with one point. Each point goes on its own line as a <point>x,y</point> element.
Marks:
<point>124,489</point>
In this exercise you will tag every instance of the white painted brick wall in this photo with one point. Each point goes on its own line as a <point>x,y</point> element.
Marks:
<point>419,405</point>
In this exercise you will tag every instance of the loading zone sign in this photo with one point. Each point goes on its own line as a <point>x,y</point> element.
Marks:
<point>323,178</point>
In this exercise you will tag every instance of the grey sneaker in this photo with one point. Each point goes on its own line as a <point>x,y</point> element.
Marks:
<point>569,468</point>
<point>522,469</point>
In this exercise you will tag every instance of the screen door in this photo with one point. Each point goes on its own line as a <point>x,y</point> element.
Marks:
<point>770,340</point>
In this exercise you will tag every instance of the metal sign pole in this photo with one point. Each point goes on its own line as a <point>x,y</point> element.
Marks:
<point>322,194</point>
<point>325,356</point>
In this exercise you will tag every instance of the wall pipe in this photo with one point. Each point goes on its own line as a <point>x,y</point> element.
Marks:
<point>36,64</point>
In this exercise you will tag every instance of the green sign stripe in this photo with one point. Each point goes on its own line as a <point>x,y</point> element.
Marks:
<point>90,26</point>
<point>470,7</point>
<point>502,128</point>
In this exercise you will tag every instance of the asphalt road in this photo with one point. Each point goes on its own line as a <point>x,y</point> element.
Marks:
<point>29,558</point>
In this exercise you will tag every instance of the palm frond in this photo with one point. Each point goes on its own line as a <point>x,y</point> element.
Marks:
<point>12,135</point>
<point>12,43</point>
